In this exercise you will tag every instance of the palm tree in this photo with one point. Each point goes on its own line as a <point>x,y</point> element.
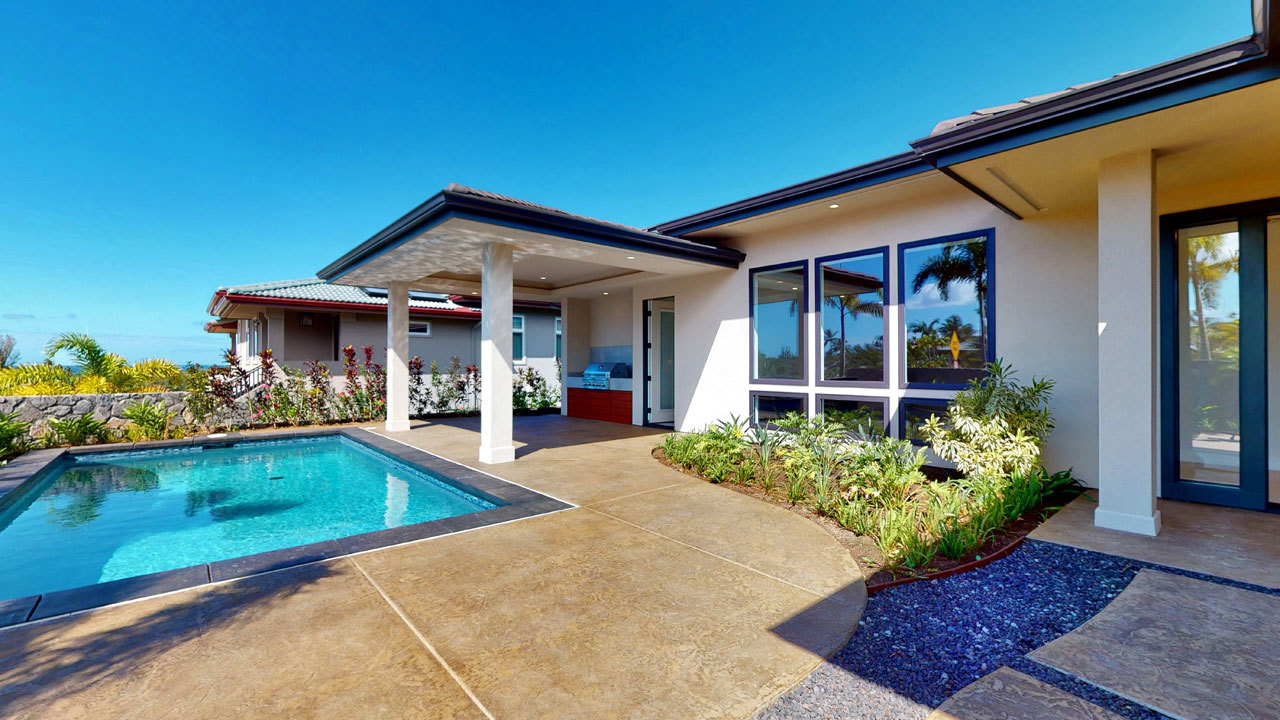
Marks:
<point>851,306</point>
<point>1208,264</point>
<point>961,262</point>
<point>95,371</point>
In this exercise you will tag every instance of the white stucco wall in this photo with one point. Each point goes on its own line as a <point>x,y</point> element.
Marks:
<point>1045,303</point>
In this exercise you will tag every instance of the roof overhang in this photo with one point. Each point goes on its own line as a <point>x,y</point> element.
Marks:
<point>226,327</point>
<point>226,304</point>
<point>437,246</point>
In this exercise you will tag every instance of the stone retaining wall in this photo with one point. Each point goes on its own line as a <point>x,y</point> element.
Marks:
<point>37,409</point>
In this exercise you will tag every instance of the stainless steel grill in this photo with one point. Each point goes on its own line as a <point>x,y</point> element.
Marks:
<point>598,375</point>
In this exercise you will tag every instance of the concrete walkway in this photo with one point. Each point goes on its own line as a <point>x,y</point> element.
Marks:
<point>659,596</point>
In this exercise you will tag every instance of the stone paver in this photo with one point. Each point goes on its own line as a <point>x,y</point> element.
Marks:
<point>1226,542</point>
<point>1006,694</point>
<point>311,641</point>
<point>577,613</point>
<point>1186,647</point>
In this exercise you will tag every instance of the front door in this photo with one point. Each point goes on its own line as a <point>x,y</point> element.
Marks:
<point>1214,355</point>
<point>661,379</point>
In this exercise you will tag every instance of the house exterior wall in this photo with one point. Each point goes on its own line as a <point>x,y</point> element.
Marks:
<point>1045,309</point>
<point>309,343</point>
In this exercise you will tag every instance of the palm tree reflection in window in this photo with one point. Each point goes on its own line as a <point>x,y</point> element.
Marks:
<point>941,281</point>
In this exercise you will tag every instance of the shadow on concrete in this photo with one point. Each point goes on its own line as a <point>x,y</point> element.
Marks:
<point>66,655</point>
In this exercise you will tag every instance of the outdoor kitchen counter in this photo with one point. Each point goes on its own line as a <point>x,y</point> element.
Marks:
<point>616,383</point>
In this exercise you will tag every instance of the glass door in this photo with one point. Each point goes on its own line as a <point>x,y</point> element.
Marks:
<point>660,360</point>
<point>1214,358</point>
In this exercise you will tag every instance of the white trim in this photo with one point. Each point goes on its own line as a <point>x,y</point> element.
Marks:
<point>1126,522</point>
<point>420,333</point>
<point>524,351</point>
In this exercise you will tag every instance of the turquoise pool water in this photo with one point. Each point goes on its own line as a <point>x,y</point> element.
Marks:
<point>107,516</point>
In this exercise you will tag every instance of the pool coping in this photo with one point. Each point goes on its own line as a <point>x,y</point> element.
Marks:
<point>514,502</point>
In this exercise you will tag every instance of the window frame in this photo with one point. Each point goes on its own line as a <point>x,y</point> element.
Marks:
<point>989,234</point>
<point>524,350</point>
<point>753,355</point>
<point>820,353</point>
<point>413,333</point>
<point>753,394</point>
<point>819,398</point>
<point>559,336</point>
<point>902,415</point>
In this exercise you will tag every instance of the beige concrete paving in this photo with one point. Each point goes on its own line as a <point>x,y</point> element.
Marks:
<point>1007,694</point>
<point>1226,542</point>
<point>621,610</point>
<point>1186,647</point>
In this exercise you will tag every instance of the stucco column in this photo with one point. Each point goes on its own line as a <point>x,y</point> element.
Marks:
<point>397,357</point>
<point>495,355</point>
<point>1127,346</point>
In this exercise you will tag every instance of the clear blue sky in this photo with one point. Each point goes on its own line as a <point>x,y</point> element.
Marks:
<point>149,153</point>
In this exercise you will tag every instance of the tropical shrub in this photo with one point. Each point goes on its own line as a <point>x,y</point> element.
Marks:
<point>996,427</point>
<point>94,371</point>
<point>149,420</point>
<point>13,435</point>
<point>82,430</point>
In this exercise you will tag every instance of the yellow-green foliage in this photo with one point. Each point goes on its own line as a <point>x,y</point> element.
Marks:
<point>97,371</point>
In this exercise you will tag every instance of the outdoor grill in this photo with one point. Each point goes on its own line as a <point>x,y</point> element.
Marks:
<point>597,375</point>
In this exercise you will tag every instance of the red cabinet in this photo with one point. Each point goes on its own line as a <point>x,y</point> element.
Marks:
<point>607,405</point>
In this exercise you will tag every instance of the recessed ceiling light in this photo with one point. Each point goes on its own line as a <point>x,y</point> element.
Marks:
<point>795,288</point>
<point>542,278</point>
<point>631,257</point>
<point>833,206</point>
<point>475,293</point>
<point>604,293</point>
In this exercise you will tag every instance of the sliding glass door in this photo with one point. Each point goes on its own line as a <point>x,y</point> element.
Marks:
<point>1214,356</point>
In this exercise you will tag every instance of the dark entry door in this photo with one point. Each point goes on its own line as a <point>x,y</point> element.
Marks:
<point>1215,442</point>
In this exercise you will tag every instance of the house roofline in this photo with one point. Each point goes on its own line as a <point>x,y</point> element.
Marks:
<point>223,297</point>
<point>449,203</point>
<point>1220,69</point>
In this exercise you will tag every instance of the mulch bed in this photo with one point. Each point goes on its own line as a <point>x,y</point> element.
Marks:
<point>864,550</point>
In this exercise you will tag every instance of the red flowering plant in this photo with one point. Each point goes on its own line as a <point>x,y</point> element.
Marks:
<point>418,399</point>
<point>364,396</point>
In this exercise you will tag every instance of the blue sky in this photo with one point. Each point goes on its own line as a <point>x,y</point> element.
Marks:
<point>152,152</point>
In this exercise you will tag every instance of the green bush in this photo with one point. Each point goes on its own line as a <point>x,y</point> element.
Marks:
<point>13,435</point>
<point>82,430</point>
<point>150,420</point>
<point>995,427</point>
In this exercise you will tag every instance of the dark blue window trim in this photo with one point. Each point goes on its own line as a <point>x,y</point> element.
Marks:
<point>902,415</point>
<point>990,235</point>
<point>753,394</point>
<point>804,324</point>
<point>883,402</point>
<point>883,250</point>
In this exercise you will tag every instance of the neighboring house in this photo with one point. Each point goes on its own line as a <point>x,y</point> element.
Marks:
<point>1114,237</point>
<point>309,319</point>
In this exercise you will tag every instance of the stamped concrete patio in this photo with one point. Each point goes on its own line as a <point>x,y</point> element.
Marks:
<point>657,596</point>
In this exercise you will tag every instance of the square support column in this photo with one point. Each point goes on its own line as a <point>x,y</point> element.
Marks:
<point>397,357</point>
<point>1127,345</point>
<point>496,296</point>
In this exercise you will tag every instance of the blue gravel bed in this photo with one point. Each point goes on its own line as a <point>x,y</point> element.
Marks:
<point>918,644</point>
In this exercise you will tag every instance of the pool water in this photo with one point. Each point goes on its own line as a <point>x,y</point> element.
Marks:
<point>106,516</point>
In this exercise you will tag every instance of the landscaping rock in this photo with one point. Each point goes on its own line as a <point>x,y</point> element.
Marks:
<point>38,409</point>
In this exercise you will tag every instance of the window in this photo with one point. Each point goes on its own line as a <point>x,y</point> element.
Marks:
<point>851,294</point>
<point>517,338</point>
<point>766,407</point>
<point>947,292</point>
<point>914,413</point>
<point>422,329</point>
<point>559,332</point>
<point>777,322</point>
<point>861,414</point>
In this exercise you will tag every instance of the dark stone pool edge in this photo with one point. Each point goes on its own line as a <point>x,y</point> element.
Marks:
<point>514,502</point>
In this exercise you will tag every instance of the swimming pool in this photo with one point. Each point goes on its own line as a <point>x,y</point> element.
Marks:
<point>105,516</point>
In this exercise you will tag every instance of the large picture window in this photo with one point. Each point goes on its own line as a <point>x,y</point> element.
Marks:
<point>947,290</point>
<point>517,338</point>
<point>777,322</point>
<point>851,295</point>
<point>913,413</point>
